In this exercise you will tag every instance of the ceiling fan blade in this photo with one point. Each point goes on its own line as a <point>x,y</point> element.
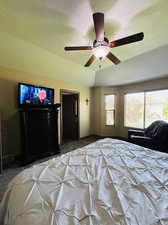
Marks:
<point>90,61</point>
<point>75,48</point>
<point>98,19</point>
<point>113,58</point>
<point>127,40</point>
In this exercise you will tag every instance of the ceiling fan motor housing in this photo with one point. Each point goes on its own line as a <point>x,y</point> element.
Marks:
<point>100,43</point>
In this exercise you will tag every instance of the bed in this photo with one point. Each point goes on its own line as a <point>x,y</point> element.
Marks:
<point>109,182</point>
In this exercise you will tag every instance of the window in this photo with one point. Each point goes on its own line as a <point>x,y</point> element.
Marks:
<point>141,109</point>
<point>134,110</point>
<point>109,109</point>
<point>156,106</point>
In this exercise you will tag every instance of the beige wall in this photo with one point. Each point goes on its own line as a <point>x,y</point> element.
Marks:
<point>9,79</point>
<point>98,113</point>
<point>8,104</point>
<point>98,126</point>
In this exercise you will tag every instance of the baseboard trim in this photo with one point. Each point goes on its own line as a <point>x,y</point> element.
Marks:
<point>88,136</point>
<point>116,137</point>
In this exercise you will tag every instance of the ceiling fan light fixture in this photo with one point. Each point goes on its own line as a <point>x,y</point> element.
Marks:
<point>100,51</point>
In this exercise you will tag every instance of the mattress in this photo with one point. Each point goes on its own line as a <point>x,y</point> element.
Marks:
<point>109,182</point>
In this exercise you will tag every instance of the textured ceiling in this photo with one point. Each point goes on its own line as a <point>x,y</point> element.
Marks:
<point>53,24</point>
<point>50,25</point>
<point>148,66</point>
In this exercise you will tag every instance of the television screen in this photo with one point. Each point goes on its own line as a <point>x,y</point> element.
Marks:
<point>35,96</point>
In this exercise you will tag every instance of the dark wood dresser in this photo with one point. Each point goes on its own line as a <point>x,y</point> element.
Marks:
<point>39,132</point>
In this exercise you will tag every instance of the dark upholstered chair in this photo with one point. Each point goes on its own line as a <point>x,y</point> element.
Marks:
<point>154,137</point>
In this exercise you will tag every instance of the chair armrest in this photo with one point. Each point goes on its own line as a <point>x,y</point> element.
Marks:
<point>135,137</point>
<point>143,141</point>
<point>135,132</point>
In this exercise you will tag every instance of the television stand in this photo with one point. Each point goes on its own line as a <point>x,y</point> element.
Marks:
<point>39,130</point>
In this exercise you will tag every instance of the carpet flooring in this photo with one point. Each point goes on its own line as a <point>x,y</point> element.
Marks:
<point>14,169</point>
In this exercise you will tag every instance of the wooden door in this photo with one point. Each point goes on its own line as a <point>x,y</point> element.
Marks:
<point>70,117</point>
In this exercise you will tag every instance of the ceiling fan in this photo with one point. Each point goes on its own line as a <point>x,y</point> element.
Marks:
<point>101,46</point>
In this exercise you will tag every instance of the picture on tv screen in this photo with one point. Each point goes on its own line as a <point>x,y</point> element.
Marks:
<point>34,95</point>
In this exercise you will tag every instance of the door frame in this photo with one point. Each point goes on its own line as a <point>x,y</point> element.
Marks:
<point>61,112</point>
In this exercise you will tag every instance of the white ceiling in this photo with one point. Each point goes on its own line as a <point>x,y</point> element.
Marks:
<point>53,24</point>
<point>144,67</point>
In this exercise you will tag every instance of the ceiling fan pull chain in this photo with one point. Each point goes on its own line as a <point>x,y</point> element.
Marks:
<point>100,62</point>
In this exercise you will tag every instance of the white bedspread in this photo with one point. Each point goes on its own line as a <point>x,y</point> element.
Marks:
<point>109,182</point>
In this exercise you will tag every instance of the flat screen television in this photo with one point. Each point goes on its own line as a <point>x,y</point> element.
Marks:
<point>31,95</point>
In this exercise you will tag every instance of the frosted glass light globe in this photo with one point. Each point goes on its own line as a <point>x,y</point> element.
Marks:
<point>101,51</point>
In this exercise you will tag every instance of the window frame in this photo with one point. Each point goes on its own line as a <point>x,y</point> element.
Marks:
<point>114,110</point>
<point>145,92</point>
<point>125,110</point>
